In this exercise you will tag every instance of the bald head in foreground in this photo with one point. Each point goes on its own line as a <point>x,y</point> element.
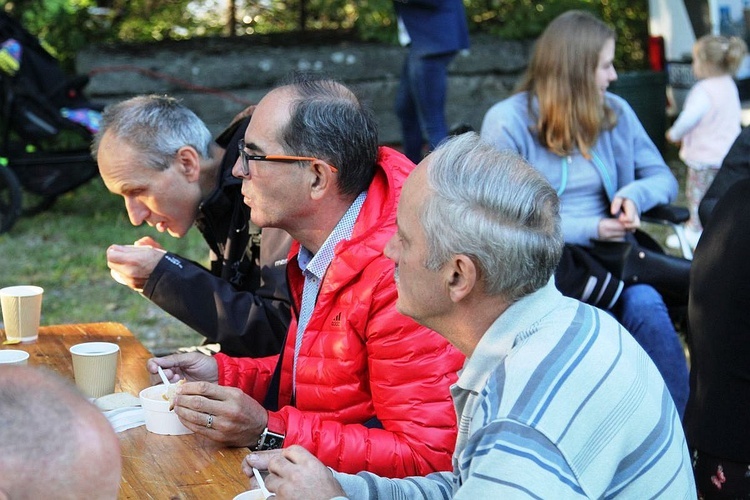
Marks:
<point>53,442</point>
<point>556,399</point>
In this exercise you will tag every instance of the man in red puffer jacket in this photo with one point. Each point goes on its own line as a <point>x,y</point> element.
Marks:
<point>359,385</point>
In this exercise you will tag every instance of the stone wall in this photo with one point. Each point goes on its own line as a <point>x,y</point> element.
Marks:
<point>216,77</point>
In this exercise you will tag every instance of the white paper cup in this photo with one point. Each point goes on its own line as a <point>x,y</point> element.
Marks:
<point>22,309</point>
<point>13,357</point>
<point>159,419</point>
<point>250,495</point>
<point>95,367</point>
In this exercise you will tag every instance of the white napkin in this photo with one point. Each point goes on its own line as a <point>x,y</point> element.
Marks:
<point>123,410</point>
<point>123,419</point>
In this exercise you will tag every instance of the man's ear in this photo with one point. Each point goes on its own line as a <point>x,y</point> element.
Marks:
<point>189,163</point>
<point>462,276</point>
<point>323,179</point>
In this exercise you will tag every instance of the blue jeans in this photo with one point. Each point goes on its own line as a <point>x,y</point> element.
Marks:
<point>420,102</point>
<point>642,312</point>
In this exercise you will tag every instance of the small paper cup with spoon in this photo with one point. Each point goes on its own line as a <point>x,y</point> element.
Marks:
<point>159,418</point>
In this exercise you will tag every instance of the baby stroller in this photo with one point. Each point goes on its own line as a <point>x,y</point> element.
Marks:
<point>46,125</point>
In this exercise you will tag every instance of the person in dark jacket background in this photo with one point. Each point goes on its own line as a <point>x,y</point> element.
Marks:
<point>735,167</point>
<point>160,157</point>
<point>434,31</point>
<point>718,409</point>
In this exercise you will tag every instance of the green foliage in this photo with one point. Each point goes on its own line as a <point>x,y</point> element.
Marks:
<point>526,19</point>
<point>630,21</point>
<point>68,25</point>
<point>61,25</point>
<point>519,19</point>
<point>377,21</point>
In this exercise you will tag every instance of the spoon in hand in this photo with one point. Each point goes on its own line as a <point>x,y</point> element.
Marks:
<point>171,388</point>
<point>262,484</point>
<point>163,377</point>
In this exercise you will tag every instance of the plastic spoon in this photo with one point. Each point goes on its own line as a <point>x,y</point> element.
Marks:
<point>169,393</point>
<point>262,484</point>
<point>163,377</point>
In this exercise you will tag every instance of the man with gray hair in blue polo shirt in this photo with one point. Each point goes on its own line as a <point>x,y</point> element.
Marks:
<point>556,399</point>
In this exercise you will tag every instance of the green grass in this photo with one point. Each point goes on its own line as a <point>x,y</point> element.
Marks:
<point>63,251</point>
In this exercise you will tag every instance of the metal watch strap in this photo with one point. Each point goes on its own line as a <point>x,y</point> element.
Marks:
<point>269,441</point>
<point>272,437</point>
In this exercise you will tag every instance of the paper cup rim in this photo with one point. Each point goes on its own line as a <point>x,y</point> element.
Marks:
<point>159,419</point>
<point>103,348</point>
<point>21,291</point>
<point>152,397</point>
<point>20,355</point>
<point>246,494</point>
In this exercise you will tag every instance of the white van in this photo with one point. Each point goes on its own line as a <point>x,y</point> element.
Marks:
<point>671,20</point>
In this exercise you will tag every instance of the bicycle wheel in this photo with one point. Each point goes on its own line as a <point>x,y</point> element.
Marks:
<point>10,198</point>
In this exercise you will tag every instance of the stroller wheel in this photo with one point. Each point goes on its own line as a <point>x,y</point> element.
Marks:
<point>10,198</point>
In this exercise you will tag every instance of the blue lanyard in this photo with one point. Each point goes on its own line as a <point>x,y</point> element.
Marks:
<point>608,185</point>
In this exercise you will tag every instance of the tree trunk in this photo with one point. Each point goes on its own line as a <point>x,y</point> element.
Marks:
<point>232,17</point>
<point>700,19</point>
<point>302,15</point>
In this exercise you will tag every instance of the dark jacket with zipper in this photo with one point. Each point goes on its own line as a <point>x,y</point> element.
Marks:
<point>243,301</point>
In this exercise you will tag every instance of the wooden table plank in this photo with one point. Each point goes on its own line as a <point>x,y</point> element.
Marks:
<point>185,467</point>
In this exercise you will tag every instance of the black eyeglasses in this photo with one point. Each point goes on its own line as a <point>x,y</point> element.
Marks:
<point>280,158</point>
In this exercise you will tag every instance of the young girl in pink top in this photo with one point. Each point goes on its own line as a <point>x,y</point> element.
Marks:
<point>710,119</point>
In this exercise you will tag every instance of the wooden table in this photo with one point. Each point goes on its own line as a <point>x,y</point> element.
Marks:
<point>154,466</point>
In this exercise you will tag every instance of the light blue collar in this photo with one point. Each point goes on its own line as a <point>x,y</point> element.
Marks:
<point>609,186</point>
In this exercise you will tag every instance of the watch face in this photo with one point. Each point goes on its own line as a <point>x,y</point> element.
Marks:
<point>273,441</point>
<point>270,441</point>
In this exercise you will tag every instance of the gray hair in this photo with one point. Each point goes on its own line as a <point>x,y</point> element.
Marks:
<point>328,121</point>
<point>157,127</point>
<point>41,445</point>
<point>494,207</point>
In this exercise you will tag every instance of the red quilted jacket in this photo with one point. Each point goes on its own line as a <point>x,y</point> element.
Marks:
<point>361,359</point>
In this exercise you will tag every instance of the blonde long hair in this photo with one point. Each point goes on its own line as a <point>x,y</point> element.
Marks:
<point>561,75</point>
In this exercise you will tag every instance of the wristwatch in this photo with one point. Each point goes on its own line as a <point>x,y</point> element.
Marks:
<point>272,437</point>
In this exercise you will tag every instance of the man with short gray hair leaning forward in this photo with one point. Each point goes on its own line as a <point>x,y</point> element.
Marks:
<point>556,399</point>
<point>159,156</point>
